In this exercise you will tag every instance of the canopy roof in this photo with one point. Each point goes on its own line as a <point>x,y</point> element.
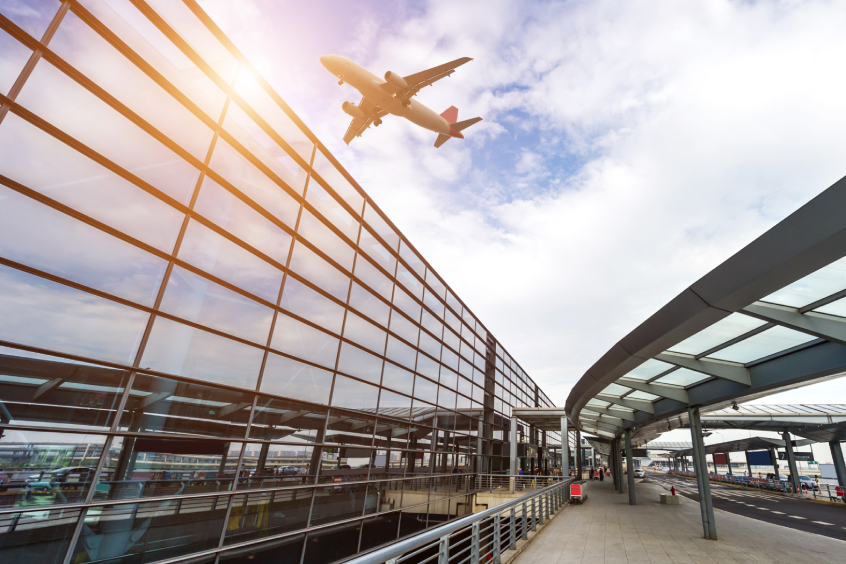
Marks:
<point>544,418</point>
<point>743,445</point>
<point>770,318</point>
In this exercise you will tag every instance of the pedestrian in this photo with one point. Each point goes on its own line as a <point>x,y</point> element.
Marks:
<point>601,475</point>
<point>519,471</point>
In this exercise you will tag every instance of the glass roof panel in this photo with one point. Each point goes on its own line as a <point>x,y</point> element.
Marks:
<point>615,390</point>
<point>834,308</point>
<point>648,369</point>
<point>643,396</point>
<point>682,377</point>
<point>598,402</point>
<point>720,332</point>
<point>816,286</point>
<point>771,341</point>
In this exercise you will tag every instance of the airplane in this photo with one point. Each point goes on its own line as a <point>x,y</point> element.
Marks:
<point>393,95</point>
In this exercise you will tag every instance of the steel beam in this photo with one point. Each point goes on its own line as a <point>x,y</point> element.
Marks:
<point>619,413</point>
<point>640,405</point>
<point>709,523</point>
<point>565,448</point>
<point>513,446</point>
<point>791,461</point>
<point>818,325</point>
<point>718,369</point>
<point>837,457</point>
<point>663,390</point>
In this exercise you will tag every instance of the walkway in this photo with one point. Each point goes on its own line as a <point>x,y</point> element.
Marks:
<point>607,530</point>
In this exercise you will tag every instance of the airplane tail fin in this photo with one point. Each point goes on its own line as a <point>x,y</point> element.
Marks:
<point>451,115</point>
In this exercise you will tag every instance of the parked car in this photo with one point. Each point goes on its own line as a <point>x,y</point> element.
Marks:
<point>639,473</point>
<point>288,470</point>
<point>808,483</point>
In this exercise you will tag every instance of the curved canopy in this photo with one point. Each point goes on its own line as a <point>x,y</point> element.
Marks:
<point>771,317</point>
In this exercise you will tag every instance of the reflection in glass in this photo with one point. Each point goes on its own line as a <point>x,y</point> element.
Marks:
<point>197,299</point>
<point>92,55</point>
<point>151,531</point>
<point>357,362</point>
<point>185,351</point>
<point>374,279</point>
<point>235,216</point>
<point>377,251</point>
<point>287,550</point>
<point>401,353</point>
<point>33,17</point>
<point>56,98</point>
<point>312,267</point>
<point>354,394</point>
<point>49,390</point>
<point>247,178</point>
<point>303,341</point>
<point>220,257</point>
<point>301,300</point>
<point>398,378</point>
<point>337,181</point>
<point>289,421</point>
<point>369,305</point>
<point>316,233</point>
<point>260,515</point>
<point>329,208</point>
<point>287,377</point>
<point>45,164</point>
<point>41,536</point>
<point>364,333</point>
<point>33,234</point>
<point>406,304</point>
<point>53,316</point>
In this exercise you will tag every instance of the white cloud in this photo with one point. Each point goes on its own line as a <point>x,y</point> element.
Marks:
<point>627,149</point>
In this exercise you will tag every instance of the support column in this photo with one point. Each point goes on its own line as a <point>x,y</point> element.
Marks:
<point>578,454</point>
<point>620,466</point>
<point>714,462</point>
<point>709,524</point>
<point>748,463</point>
<point>839,466</point>
<point>513,446</point>
<point>728,462</point>
<point>774,462</point>
<point>630,465</point>
<point>565,448</point>
<point>791,461</point>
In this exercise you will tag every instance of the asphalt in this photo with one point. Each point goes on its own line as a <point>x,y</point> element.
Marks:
<point>804,515</point>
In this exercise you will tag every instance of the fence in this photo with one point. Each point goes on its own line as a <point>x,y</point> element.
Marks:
<point>479,538</point>
<point>817,491</point>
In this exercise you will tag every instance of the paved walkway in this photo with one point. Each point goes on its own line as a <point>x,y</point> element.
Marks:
<point>607,530</point>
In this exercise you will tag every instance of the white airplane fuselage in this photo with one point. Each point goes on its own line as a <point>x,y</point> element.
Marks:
<point>379,92</point>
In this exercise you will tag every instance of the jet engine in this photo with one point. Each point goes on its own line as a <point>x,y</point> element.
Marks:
<point>396,80</point>
<point>353,110</point>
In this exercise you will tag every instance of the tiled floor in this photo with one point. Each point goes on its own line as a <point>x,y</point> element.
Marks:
<point>607,530</point>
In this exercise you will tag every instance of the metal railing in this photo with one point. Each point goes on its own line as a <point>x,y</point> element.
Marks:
<point>817,491</point>
<point>480,538</point>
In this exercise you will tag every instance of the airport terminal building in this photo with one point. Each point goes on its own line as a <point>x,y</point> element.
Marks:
<point>213,345</point>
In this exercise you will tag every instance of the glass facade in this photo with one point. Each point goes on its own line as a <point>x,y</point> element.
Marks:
<point>213,345</point>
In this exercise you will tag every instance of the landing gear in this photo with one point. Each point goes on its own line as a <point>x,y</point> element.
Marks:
<point>377,122</point>
<point>341,82</point>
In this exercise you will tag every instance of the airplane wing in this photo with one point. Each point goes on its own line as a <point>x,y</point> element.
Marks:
<point>357,125</point>
<point>418,80</point>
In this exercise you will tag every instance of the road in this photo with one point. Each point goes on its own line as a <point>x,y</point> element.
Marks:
<point>804,515</point>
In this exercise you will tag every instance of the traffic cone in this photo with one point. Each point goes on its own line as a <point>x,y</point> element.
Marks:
<point>673,490</point>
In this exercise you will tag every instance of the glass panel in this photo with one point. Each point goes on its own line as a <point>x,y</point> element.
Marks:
<point>222,258</point>
<point>720,332</point>
<point>337,181</point>
<point>229,212</point>
<point>316,233</point>
<point>179,349</point>
<point>615,390</point>
<point>308,304</point>
<point>352,394</point>
<point>289,378</point>
<point>40,536</point>
<point>824,282</point>
<point>67,105</point>
<point>308,264</point>
<point>154,467</point>
<point>397,378</point>
<point>373,278</point>
<point>364,333</point>
<point>648,369</point>
<point>247,178</point>
<point>405,328</point>
<point>411,283</point>
<point>50,167</point>
<point>286,550</point>
<point>260,515</point>
<point>52,316</point>
<point>33,16</point>
<point>48,390</point>
<point>197,299</point>
<point>13,57</point>
<point>41,468</point>
<point>129,530</point>
<point>303,341</point>
<point>401,353</point>
<point>251,91</point>
<point>139,33</point>
<point>369,305</point>
<point>433,303</point>
<point>332,210</point>
<point>425,390</point>
<point>94,57</point>
<point>430,346</point>
<point>41,237</point>
<point>375,250</point>
<point>407,304</point>
<point>293,422</point>
<point>262,146</point>
<point>361,364</point>
<point>331,545</point>
<point>198,36</point>
<point>412,259</point>
<point>435,284</point>
<point>449,358</point>
<point>432,325</point>
<point>769,342</point>
<point>378,224</point>
<point>637,394</point>
<point>683,377</point>
<point>837,308</point>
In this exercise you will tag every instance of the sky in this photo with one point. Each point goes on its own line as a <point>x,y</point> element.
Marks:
<point>626,149</point>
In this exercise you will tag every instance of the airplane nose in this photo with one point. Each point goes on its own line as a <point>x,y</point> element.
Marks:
<point>329,62</point>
